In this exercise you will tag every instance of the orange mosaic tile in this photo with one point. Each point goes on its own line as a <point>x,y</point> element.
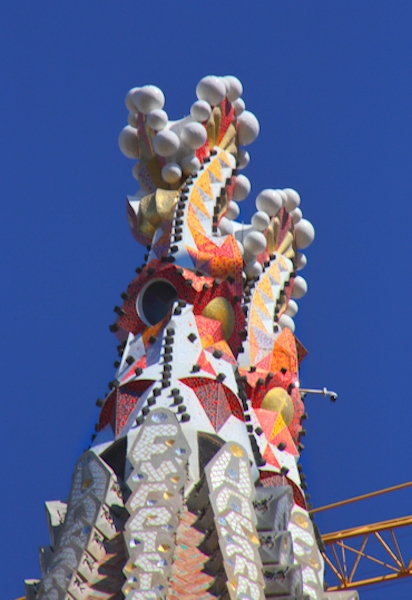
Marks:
<point>187,579</point>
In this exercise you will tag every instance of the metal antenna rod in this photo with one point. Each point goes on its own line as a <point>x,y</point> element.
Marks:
<point>323,392</point>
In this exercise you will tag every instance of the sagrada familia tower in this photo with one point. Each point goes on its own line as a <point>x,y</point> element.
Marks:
<point>192,487</point>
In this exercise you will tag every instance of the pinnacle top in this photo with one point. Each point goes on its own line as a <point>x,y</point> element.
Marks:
<point>169,152</point>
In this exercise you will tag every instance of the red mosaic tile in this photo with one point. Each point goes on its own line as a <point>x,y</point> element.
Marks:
<point>270,458</point>
<point>217,400</point>
<point>127,398</point>
<point>269,479</point>
<point>120,403</point>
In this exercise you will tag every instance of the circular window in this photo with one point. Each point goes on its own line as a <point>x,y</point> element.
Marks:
<point>155,301</point>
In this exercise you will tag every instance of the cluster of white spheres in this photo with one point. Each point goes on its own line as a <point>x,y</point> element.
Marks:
<point>213,89</point>
<point>149,101</point>
<point>269,201</point>
<point>148,98</point>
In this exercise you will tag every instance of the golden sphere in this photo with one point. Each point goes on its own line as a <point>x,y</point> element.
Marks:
<point>277,399</point>
<point>221,310</point>
<point>236,450</point>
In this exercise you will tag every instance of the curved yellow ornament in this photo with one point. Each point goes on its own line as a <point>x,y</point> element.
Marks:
<point>156,208</point>
<point>277,399</point>
<point>221,310</point>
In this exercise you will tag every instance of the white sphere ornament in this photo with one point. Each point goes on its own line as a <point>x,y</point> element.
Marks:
<point>132,119</point>
<point>241,189</point>
<point>128,142</point>
<point>157,119</point>
<point>292,308</point>
<point>253,269</point>
<point>296,215</point>
<point>171,173</point>
<point>301,261</point>
<point>135,170</point>
<point>304,233</point>
<point>166,143</point>
<point>248,256</point>
<point>286,321</point>
<point>269,201</point>
<point>193,135</point>
<point>225,226</point>
<point>129,99</point>
<point>300,287</point>
<point>233,211</point>
<point>234,88</point>
<point>255,242</point>
<point>148,98</point>
<point>200,110</point>
<point>238,106</point>
<point>260,221</point>
<point>240,246</point>
<point>248,128</point>
<point>212,89</point>
<point>190,164</point>
<point>243,158</point>
<point>292,199</point>
<point>283,195</point>
<point>226,84</point>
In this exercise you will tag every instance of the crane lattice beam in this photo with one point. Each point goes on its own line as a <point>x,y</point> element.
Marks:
<point>346,550</point>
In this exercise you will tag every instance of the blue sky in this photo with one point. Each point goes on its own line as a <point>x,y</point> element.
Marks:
<point>330,83</point>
